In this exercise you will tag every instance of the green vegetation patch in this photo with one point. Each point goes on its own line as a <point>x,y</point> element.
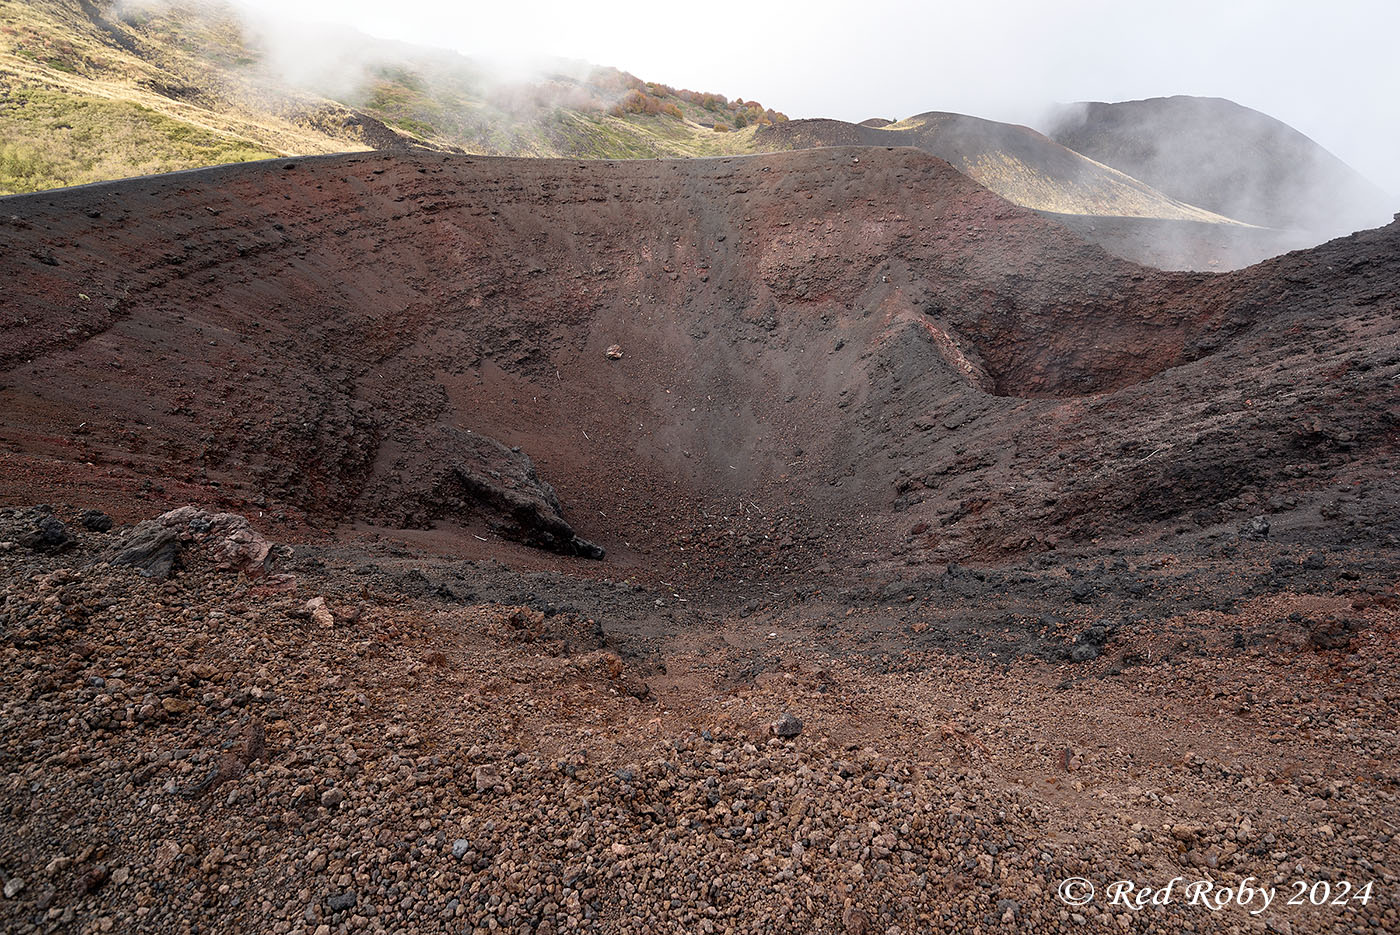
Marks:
<point>50,139</point>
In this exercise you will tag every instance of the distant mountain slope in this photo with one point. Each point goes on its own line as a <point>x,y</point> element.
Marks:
<point>102,89</point>
<point>1227,158</point>
<point>93,90</point>
<point>1016,162</point>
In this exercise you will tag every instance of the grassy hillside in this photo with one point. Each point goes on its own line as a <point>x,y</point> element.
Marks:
<point>91,91</point>
<point>442,100</point>
<point>52,139</point>
<point>83,98</point>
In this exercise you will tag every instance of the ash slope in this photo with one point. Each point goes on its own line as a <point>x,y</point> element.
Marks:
<point>814,380</point>
<point>1227,158</point>
<point>1098,203</point>
<point>1016,162</point>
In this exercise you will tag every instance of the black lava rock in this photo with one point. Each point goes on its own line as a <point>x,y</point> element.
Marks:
<point>152,551</point>
<point>1089,644</point>
<point>341,902</point>
<point>96,520</point>
<point>49,535</point>
<point>1256,529</point>
<point>1095,636</point>
<point>786,726</point>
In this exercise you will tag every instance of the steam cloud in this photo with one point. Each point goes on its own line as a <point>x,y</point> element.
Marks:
<point>336,61</point>
<point>1224,158</point>
<point>1218,155</point>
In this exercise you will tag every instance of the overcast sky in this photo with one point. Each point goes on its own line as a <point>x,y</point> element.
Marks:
<point>1328,68</point>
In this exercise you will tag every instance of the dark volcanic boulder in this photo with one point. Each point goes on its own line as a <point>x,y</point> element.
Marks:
<point>787,726</point>
<point>1089,644</point>
<point>1256,529</point>
<point>154,546</point>
<point>488,480</point>
<point>1330,632</point>
<point>49,535</point>
<point>151,549</point>
<point>96,520</point>
<point>527,512</point>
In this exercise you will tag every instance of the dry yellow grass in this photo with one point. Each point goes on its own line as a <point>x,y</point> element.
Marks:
<point>75,108</point>
<point>54,139</point>
<point>1106,192</point>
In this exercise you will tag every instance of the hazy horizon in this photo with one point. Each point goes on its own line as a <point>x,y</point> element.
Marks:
<point>1329,74</point>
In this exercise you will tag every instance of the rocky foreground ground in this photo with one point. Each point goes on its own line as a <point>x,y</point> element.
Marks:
<point>208,732</point>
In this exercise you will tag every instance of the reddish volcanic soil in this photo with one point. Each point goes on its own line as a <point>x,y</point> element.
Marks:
<point>1073,567</point>
<point>827,348</point>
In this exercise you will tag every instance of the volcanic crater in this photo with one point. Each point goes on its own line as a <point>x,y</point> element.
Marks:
<point>806,542</point>
<point>837,338</point>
